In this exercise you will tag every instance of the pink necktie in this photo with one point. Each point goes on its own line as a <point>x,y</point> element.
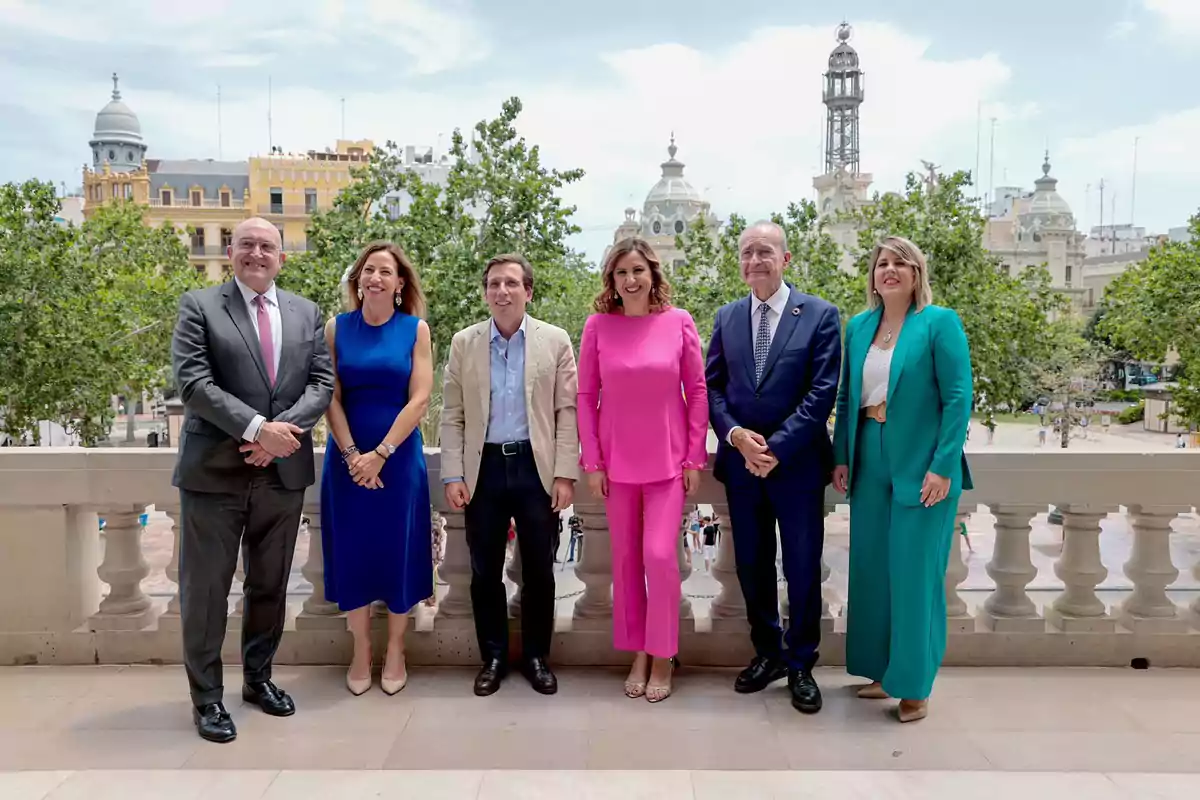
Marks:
<point>264,336</point>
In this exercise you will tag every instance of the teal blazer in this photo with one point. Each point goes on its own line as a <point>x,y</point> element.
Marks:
<point>928,400</point>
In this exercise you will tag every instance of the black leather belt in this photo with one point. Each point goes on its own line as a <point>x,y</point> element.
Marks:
<point>507,448</point>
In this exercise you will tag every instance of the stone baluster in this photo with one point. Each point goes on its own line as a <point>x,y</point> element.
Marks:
<point>687,617</point>
<point>1195,607</point>
<point>1148,609</point>
<point>317,612</point>
<point>593,609</point>
<point>454,609</point>
<point>957,618</point>
<point>728,610</point>
<point>126,607</point>
<point>827,591</point>
<point>169,620</point>
<point>513,571</point>
<point>1081,571</point>
<point>1008,608</point>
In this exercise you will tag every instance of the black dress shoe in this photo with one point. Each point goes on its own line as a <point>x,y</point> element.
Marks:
<point>270,698</point>
<point>490,676</point>
<point>806,695</point>
<point>538,673</point>
<point>761,673</point>
<point>213,723</point>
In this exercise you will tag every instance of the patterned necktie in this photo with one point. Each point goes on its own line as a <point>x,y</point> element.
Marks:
<point>762,343</point>
<point>265,341</point>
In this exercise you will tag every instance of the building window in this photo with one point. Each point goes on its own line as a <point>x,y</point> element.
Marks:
<point>679,226</point>
<point>656,227</point>
<point>280,229</point>
<point>224,199</point>
<point>198,241</point>
<point>114,191</point>
<point>277,201</point>
<point>129,191</point>
<point>165,197</point>
<point>130,157</point>
<point>226,271</point>
<point>1067,274</point>
<point>96,156</point>
<point>226,238</point>
<point>112,155</point>
<point>196,198</point>
<point>310,201</point>
<point>201,269</point>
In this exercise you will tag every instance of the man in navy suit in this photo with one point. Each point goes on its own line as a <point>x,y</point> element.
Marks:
<point>772,371</point>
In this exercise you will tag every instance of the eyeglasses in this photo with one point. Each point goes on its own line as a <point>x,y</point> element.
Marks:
<point>266,248</point>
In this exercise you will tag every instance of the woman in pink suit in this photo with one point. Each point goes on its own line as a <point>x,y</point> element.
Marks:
<point>643,421</point>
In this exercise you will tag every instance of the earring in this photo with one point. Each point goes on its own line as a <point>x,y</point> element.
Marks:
<point>360,293</point>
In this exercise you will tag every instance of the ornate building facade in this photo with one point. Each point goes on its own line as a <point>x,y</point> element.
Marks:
<point>205,199</point>
<point>1031,229</point>
<point>672,207</point>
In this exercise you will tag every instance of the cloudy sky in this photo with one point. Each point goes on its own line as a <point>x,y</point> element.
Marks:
<point>604,84</point>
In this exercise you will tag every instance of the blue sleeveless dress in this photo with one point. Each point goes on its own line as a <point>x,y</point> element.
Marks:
<point>376,542</point>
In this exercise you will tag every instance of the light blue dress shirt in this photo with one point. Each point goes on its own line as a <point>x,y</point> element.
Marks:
<point>507,418</point>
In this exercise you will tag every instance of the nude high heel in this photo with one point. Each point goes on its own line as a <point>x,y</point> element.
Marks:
<point>912,710</point>
<point>358,687</point>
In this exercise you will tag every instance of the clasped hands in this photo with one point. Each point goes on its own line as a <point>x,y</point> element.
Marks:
<point>753,447</point>
<point>275,440</point>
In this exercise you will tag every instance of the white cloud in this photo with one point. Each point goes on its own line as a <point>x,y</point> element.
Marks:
<point>1180,17</point>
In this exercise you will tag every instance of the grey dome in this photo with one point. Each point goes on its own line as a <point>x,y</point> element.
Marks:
<point>1046,202</point>
<point>116,123</point>
<point>672,188</point>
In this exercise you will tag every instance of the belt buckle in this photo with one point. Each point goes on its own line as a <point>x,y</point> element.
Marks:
<point>504,449</point>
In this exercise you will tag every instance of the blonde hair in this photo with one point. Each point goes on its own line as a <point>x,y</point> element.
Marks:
<point>909,254</point>
<point>412,299</point>
<point>608,301</point>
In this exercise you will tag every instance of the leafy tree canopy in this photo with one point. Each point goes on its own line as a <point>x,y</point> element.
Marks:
<point>85,313</point>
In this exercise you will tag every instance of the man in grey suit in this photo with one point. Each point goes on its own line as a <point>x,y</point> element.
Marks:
<point>253,369</point>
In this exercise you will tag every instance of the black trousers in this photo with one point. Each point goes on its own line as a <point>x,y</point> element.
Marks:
<point>263,519</point>
<point>509,488</point>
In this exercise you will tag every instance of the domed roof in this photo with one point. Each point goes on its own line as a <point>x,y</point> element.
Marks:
<point>116,122</point>
<point>843,56</point>
<point>672,187</point>
<point>1046,200</point>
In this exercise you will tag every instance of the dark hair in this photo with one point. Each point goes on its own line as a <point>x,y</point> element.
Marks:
<point>511,258</point>
<point>608,301</point>
<point>412,299</point>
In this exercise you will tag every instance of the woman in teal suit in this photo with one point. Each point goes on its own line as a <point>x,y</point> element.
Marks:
<point>902,413</point>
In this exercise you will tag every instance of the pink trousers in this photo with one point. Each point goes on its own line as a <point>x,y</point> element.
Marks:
<point>644,522</point>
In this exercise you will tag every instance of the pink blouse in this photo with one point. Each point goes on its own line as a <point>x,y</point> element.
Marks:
<point>643,406</point>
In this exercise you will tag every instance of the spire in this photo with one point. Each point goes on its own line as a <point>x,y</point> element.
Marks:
<point>1046,164</point>
<point>672,167</point>
<point>116,90</point>
<point>672,149</point>
<point>844,31</point>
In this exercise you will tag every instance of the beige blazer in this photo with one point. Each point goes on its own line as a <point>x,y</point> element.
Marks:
<point>550,386</point>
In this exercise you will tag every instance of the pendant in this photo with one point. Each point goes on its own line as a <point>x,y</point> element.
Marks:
<point>887,337</point>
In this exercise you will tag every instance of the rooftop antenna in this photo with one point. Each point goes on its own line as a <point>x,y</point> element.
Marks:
<point>975,174</point>
<point>992,165</point>
<point>270,133</point>
<point>220,149</point>
<point>1133,188</point>
<point>343,118</point>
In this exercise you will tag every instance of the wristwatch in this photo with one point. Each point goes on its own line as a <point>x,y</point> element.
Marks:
<point>388,450</point>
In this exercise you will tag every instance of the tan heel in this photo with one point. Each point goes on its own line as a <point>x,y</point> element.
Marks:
<point>872,691</point>
<point>656,693</point>
<point>635,688</point>
<point>358,687</point>
<point>912,710</point>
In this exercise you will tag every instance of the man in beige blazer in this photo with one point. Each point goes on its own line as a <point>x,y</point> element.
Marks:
<point>510,451</point>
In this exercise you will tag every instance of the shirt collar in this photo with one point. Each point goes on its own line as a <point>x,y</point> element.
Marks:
<point>496,331</point>
<point>777,302</point>
<point>249,294</point>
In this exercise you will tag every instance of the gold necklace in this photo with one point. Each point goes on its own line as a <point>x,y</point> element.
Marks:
<point>887,337</point>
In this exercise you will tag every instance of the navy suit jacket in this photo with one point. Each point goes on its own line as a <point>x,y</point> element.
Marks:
<point>792,403</point>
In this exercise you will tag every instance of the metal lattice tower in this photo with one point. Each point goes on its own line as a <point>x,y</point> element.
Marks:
<point>842,96</point>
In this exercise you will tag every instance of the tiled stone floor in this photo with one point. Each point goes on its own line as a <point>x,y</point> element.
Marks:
<point>982,720</point>
<point>613,785</point>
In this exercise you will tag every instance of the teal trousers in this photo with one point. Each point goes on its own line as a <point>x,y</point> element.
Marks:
<point>896,610</point>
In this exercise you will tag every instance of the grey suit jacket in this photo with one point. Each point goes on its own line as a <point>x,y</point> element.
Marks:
<point>222,379</point>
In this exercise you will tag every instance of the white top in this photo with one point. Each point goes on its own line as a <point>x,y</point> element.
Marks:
<point>777,303</point>
<point>272,303</point>
<point>876,371</point>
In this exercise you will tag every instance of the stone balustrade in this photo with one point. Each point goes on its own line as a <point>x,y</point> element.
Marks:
<point>71,594</point>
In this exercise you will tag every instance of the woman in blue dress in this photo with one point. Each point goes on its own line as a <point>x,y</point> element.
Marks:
<point>374,490</point>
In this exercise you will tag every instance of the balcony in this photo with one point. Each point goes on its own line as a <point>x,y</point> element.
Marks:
<point>206,251</point>
<point>156,202</point>
<point>1118,583</point>
<point>286,210</point>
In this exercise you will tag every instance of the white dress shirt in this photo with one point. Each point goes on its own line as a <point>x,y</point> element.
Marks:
<point>877,369</point>
<point>272,303</point>
<point>776,304</point>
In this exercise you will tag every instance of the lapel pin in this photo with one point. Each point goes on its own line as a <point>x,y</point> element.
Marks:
<point>796,311</point>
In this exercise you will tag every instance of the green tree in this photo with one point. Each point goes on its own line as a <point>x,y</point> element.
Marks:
<point>85,313</point>
<point>816,260</point>
<point>1069,373</point>
<point>498,198</point>
<point>1152,310</point>
<point>1006,318</point>
<point>711,275</point>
